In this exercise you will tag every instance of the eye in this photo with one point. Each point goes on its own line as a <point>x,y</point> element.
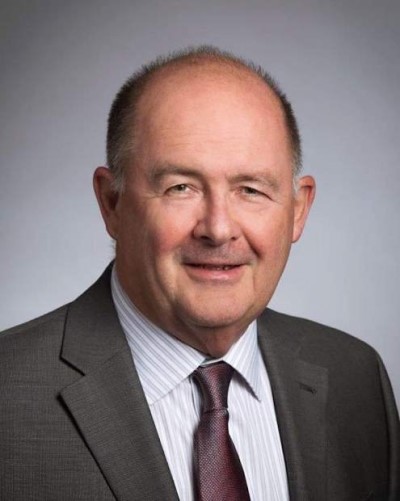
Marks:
<point>248,190</point>
<point>179,189</point>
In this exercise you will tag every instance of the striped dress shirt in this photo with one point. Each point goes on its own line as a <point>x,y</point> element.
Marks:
<point>165,365</point>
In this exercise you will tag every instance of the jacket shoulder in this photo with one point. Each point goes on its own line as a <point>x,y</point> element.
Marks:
<point>315,337</point>
<point>47,323</point>
<point>31,351</point>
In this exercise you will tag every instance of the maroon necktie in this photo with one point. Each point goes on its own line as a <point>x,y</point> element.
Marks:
<point>218,473</point>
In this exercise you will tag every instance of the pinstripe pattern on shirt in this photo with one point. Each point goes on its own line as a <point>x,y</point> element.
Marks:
<point>165,365</point>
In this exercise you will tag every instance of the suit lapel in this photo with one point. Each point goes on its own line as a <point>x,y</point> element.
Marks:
<point>109,408</point>
<point>300,391</point>
<point>107,402</point>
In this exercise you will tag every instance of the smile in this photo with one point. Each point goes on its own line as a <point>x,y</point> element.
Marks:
<point>217,267</point>
<point>215,273</point>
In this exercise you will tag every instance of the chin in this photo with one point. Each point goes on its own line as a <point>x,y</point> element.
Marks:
<point>220,320</point>
<point>211,332</point>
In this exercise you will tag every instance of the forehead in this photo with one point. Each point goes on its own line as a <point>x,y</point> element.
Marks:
<point>195,108</point>
<point>185,88</point>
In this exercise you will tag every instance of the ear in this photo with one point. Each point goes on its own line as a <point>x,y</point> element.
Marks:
<point>304,198</point>
<point>107,198</point>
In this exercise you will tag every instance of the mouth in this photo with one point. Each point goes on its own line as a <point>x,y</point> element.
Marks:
<point>214,267</point>
<point>215,273</point>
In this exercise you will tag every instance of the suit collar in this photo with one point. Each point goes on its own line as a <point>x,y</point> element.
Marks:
<point>107,402</point>
<point>92,330</point>
<point>300,391</point>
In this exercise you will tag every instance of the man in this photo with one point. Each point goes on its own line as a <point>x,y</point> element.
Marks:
<point>103,398</point>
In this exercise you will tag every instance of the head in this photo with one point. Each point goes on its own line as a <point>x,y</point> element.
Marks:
<point>122,118</point>
<point>203,150</point>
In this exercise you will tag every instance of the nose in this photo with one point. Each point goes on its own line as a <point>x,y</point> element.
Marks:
<point>216,224</point>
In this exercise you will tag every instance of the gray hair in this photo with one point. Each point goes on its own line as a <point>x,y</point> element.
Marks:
<point>122,116</point>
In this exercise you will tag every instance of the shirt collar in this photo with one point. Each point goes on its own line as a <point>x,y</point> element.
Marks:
<point>244,356</point>
<point>163,361</point>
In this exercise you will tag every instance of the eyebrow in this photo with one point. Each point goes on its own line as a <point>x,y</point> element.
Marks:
<point>159,171</point>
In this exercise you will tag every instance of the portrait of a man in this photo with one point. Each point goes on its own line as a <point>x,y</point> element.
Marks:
<point>170,378</point>
<point>199,263</point>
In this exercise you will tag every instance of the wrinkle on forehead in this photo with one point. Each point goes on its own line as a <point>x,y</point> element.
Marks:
<point>199,110</point>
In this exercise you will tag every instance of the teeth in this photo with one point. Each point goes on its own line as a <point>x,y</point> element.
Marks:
<point>218,268</point>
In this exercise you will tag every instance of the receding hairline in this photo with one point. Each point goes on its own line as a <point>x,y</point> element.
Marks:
<point>204,60</point>
<point>220,61</point>
<point>207,59</point>
<point>180,76</point>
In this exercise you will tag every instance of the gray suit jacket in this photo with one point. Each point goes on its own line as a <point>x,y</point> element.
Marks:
<point>75,426</point>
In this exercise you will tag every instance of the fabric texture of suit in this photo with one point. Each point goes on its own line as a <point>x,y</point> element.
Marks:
<point>75,425</point>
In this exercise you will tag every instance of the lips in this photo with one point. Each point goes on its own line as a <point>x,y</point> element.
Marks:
<point>216,267</point>
<point>215,273</point>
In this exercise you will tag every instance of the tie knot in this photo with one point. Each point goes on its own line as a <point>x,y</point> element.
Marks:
<point>214,380</point>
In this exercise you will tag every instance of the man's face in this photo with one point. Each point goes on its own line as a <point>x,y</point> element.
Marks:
<point>204,225</point>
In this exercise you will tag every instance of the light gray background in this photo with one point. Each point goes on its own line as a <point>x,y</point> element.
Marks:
<point>339,62</point>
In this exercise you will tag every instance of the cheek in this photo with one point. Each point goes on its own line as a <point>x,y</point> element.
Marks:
<point>166,231</point>
<point>271,237</point>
